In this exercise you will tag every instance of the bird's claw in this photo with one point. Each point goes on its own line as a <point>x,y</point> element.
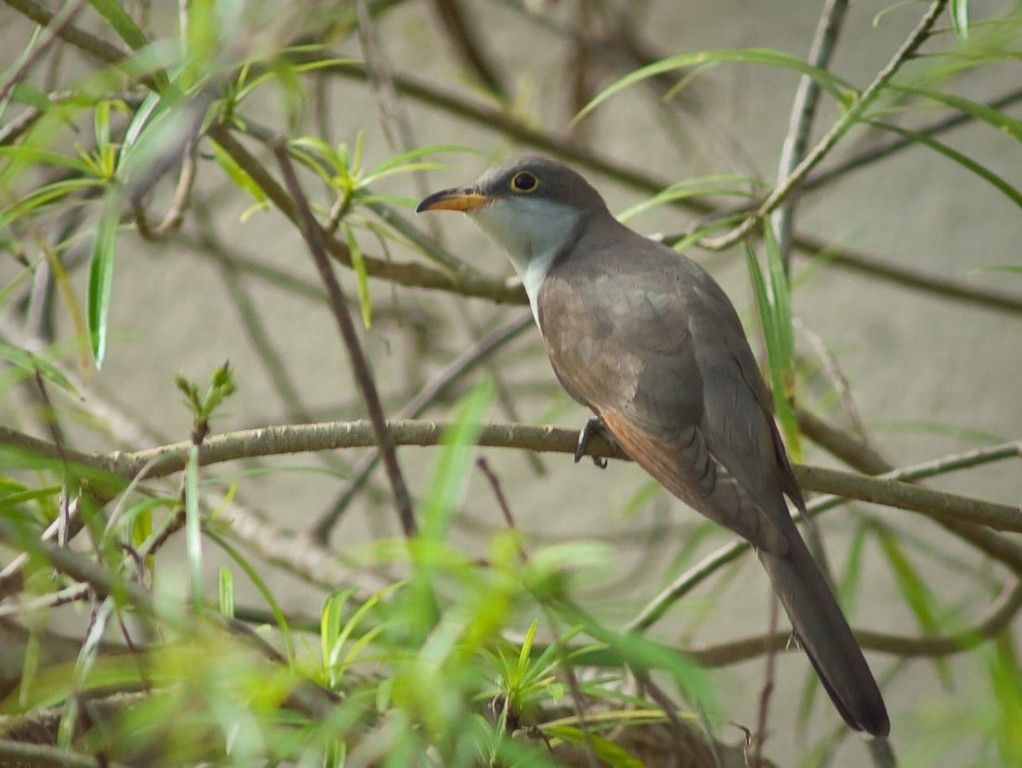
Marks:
<point>592,427</point>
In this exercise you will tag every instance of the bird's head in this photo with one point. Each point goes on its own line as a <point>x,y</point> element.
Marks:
<point>530,206</point>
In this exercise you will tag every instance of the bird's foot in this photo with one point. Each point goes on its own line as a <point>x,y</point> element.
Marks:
<point>594,426</point>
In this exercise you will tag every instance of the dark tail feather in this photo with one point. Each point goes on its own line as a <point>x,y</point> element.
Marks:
<point>826,637</point>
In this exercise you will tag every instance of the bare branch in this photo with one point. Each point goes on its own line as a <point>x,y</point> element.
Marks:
<point>360,366</point>
<point>849,118</point>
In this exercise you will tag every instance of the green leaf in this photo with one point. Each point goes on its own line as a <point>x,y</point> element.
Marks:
<point>238,175</point>
<point>449,476</point>
<point>26,93</point>
<point>113,11</point>
<point>986,114</point>
<point>45,196</point>
<point>775,318</point>
<point>32,364</point>
<point>718,185</point>
<point>835,86</point>
<point>403,162</point>
<point>960,18</point>
<point>1006,684</point>
<point>101,124</point>
<point>954,155</point>
<point>28,154</point>
<point>261,585</point>
<point>153,105</point>
<point>226,592</point>
<point>330,622</point>
<point>101,280</point>
<point>917,595</point>
<point>361,277</point>
<point>605,749</point>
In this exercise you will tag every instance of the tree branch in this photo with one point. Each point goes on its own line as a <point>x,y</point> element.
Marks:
<point>301,438</point>
<point>918,36</point>
<point>801,120</point>
<point>360,365</point>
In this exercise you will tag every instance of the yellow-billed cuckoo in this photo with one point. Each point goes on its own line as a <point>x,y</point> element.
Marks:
<point>649,341</point>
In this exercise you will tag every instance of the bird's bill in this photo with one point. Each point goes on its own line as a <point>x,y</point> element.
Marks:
<point>462,199</point>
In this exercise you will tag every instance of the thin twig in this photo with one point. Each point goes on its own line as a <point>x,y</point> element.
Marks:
<point>360,366</point>
<point>768,689</point>
<point>464,282</point>
<point>849,118</point>
<point>19,753</point>
<point>57,24</point>
<point>302,438</point>
<point>999,615</point>
<point>569,668</point>
<point>492,118</point>
<point>178,205</point>
<point>803,112</point>
<point>414,408</point>
<point>892,146</point>
<point>462,34</point>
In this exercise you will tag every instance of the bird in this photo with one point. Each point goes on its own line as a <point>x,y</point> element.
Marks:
<point>649,341</point>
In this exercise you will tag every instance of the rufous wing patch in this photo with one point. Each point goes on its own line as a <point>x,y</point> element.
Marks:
<point>682,462</point>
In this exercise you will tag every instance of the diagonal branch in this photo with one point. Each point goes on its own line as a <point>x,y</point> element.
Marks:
<point>918,36</point>
<point>360,366</point>
<point>803,112</point>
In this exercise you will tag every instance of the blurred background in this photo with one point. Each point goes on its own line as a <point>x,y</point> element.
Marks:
<point>905,292</point>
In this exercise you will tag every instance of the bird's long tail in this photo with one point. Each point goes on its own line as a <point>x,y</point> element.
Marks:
<point>824,634</point>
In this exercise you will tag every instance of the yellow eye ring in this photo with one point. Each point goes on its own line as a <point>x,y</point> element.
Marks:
<point>524,182</point>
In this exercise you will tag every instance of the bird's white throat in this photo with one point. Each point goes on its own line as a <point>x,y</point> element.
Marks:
<point>532,232</point>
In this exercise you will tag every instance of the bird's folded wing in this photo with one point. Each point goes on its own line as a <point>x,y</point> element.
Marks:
<point>659,354</point>
<point>684,464</point>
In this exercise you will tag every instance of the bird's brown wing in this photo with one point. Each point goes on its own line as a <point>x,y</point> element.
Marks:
<point>648,353</point>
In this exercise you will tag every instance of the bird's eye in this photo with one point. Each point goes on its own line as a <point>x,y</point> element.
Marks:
<point>524,181</point>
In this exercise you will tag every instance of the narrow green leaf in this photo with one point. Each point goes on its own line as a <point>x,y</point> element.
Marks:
<point>126,28</point>
<point>330,626</point>
<point>1006,684</point>
<point>226,592</point>
<point>45,196</point>
<point>101,280</point>
<point>10,499</point>
<point>29,154</point>
<point>954,155</point>
<point>356,158</point>
<point>773,58</point>
<point>917,595</point>
<point>361,276</point>
<point>238,175</point>
<point>450,474</point>
<point>960,18</point>
<point>261,585</point>
<point>993,117</point>
<point>780,302</point>
<point>32,363</point>
<point>153,105</point>
<point>778,342</point>
<point>608,752</point>
<point>101,124</point>
<point>717,185</point>
<point>404,161</point>
<point>26,93</point>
